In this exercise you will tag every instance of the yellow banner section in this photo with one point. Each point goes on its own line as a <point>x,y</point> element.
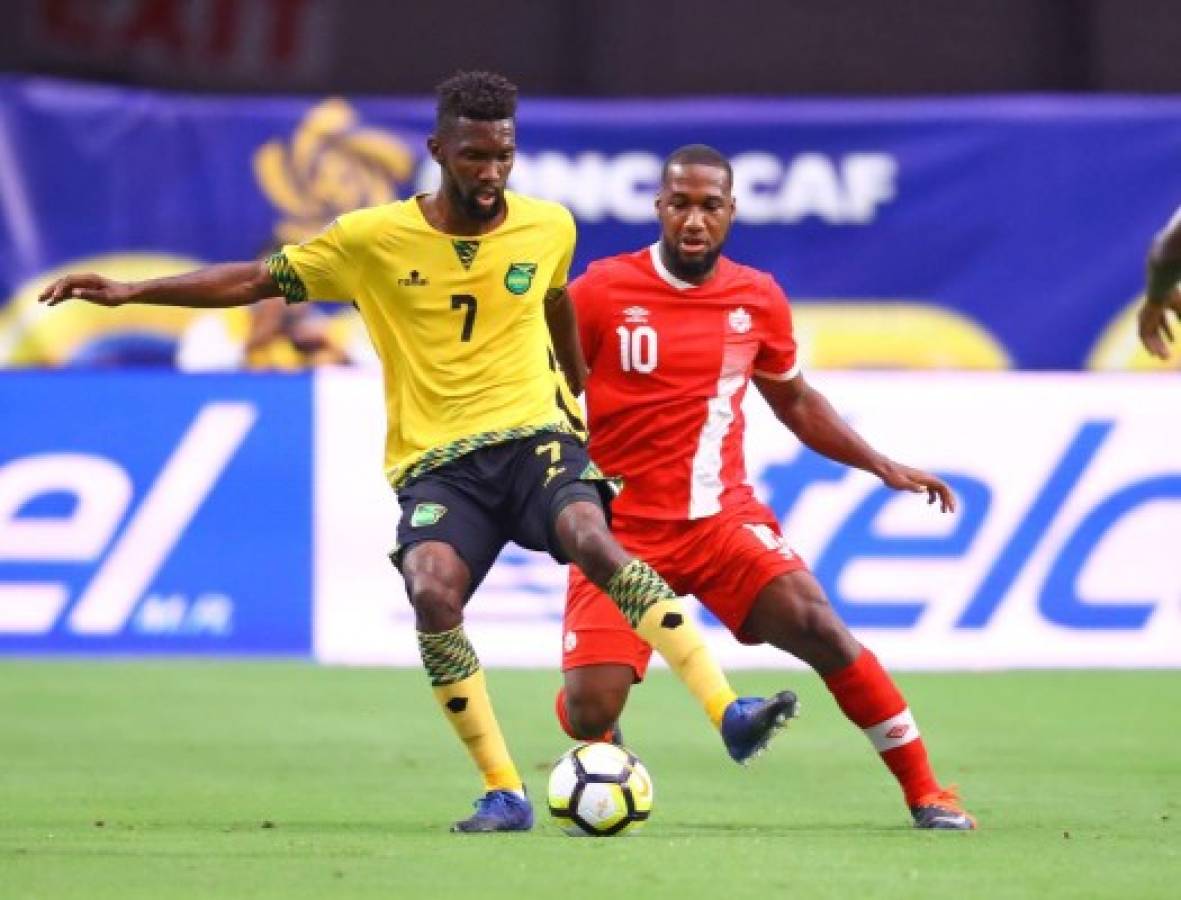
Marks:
<point>84,334</point>
<point>832,334</point>
<point>879,335</point>
<point>80,334</point>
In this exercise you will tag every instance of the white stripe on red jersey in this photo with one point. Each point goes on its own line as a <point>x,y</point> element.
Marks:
<point>705,492</point>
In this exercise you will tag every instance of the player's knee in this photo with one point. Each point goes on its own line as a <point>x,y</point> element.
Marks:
<point>813,615</point>
<point>818,626</point>
<point>591,715</point>
<point>588,542</point>
<point>436,585</point>
<point>592,548</point>
<point>821,623</point>
<point>438,603</point>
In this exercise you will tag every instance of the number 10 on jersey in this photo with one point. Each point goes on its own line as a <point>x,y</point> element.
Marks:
<point>637,348</point>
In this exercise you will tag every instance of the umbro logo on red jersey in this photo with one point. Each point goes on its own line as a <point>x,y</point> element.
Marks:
<point>635,315</point>
<point>898,731</point>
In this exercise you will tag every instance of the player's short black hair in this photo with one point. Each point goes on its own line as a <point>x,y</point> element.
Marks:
<point>482,96</point>
<point>697,155</point>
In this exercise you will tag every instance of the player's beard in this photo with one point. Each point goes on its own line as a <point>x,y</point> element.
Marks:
<point>688,269</point>
<point>471,206</point>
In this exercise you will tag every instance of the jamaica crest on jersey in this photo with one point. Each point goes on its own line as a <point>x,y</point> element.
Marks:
<point>519,277</point>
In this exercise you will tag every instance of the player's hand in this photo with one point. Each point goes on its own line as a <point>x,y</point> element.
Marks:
<point>1153,322</point>
<point>904,478</point>
<point>90,287</point>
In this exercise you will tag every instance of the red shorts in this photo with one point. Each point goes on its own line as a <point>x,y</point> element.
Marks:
<point>724,561</point>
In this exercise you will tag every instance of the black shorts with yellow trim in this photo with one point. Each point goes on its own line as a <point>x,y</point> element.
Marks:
<point>512,491</point>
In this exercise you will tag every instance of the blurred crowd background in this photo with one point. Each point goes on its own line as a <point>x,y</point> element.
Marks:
<point>611,48</point>
<point>938,185</point>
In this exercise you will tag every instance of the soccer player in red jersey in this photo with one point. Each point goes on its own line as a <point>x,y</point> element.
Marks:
<point>673,335</point>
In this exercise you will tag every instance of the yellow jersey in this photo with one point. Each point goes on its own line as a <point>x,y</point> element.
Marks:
<point>458,322</point>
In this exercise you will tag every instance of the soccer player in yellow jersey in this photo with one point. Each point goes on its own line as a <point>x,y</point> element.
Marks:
<point>463,293</point>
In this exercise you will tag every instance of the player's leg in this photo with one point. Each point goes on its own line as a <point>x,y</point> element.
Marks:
<point>591,701</point>
<point>647,603</point>
<point>792,613</point>
<point>601,658</point>
<point>446,546</point>
<point>760,589</point>
<point>657,615</point>
<point>560,506</point>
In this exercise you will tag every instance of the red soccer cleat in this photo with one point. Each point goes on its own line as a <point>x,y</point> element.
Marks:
<point>941,810</point>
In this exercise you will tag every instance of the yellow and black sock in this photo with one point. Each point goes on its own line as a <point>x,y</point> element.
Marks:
<point>651,607</point>
<point>458,684</point>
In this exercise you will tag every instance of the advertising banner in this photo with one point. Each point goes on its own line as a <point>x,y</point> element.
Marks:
<point>1060,553</point>
<point>150,513</point>
<point>980,233</point>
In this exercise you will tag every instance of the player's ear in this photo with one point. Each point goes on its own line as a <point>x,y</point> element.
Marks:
<point>434,148</point>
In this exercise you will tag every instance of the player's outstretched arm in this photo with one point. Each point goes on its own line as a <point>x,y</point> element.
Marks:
<point>1162,294</point>
<point>563,330</point>
<point>227,284</point>
<point>812,419</point>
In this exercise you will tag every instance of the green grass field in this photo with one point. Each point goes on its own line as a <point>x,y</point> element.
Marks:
<point>168,779</point>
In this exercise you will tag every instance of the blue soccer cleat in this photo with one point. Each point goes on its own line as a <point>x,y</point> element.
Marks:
<point>749,723</point>
<point>498,811</point>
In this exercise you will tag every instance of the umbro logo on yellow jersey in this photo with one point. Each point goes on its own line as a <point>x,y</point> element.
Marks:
<point>414,279</point>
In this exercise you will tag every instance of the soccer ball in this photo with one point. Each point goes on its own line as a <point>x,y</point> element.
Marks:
<point>599,790</point>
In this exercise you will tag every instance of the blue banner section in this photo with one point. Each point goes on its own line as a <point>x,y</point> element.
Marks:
<point>146,513</point>
<point>977,233</point>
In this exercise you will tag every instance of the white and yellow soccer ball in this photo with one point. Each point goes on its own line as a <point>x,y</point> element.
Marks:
<point>599,790</point>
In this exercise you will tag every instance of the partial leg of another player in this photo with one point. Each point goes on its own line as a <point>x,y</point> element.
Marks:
<point>792,613</point>
<point>591,700</point>
<point>654,612</point>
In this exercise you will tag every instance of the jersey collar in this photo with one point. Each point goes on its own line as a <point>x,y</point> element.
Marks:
<point>420,216</point>
<point>664,273</point>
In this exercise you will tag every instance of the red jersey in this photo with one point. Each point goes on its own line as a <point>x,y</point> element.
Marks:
<point>670,363</point>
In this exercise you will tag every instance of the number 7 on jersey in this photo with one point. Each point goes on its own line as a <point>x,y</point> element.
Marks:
<point>459,301</point>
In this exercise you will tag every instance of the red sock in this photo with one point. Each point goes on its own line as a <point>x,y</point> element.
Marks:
<point>564,720</point>
<point>868,697</point>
